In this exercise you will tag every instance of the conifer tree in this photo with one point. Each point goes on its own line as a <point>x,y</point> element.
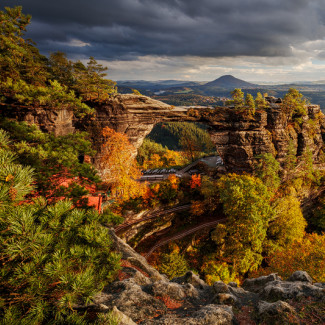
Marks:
<point>250,104</point>
<point>238,98</point>
<point>294,103</point>
<point>260,101</point>
<point>52,257</point>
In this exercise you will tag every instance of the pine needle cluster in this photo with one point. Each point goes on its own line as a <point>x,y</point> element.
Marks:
<point>53,257</point>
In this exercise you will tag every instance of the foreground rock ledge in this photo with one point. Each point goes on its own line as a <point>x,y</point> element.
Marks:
<point>143,296</point>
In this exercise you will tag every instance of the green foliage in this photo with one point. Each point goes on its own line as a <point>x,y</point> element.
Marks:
<point>260,101</point>
<point>50,155</point>
<point>19,59</point>
<point>90,82</point>
<point>150,150</point>
<point>288,224</point>
<point>294,104</point>
<point>267,169</point>
<point>246,203</point>
<point>54,96</point>
<point>61,68</point>
<point>290,161</point>
<point>238,98</point>
<point>53,257</point>
<point>28,78</point>
<point>250,105</point>
<point>317,219</point>
<point>169,135</point>
<point>173,265</point>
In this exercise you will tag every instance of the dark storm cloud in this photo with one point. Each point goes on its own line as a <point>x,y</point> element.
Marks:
<point>110,29</point>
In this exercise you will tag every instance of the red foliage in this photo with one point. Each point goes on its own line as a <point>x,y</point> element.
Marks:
<point>125,263</point>
<point>170,303</point>
<point>195,181</point>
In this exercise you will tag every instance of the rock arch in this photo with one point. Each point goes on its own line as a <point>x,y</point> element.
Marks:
<point>237,138</point>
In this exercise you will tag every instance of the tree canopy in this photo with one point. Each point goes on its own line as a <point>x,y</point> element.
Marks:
<point>29,78</point>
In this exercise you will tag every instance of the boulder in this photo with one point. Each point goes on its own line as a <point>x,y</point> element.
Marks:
<point>225,299</point>
<point>192,279</point>
<point>123,319</point>
<point>276,313</point>
<point>282,290</point>
<point>220,287</point>
<point>207,315</point>
<point>258,284</point>
<point>302,276</point>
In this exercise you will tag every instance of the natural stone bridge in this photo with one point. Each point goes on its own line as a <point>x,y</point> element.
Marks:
<point>238,138</point>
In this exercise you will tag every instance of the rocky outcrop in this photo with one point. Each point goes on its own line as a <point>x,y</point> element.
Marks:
<point>58,122</point>
<point>143,296</point>
<point>238,138</point>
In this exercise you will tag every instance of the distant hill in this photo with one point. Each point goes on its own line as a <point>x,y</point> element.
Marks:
<point>230,82</point>
<point>155,85</point>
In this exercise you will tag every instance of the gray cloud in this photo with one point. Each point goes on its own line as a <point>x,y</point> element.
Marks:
<point>120,29</point>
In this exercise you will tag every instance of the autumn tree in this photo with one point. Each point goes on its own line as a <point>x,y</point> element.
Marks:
<point>154,155</point>
<point>288,224</point>
<point>246,203</point>
<point>195,181</point>
<point>306,254</point>
<point>119,167</point>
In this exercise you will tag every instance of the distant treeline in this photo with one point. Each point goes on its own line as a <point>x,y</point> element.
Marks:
<point>170,134</point>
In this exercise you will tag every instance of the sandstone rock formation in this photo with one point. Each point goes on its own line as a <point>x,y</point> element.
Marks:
<point>238,138</point>
<point>141,295</point>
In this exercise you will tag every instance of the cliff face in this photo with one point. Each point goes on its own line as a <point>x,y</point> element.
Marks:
<point>238,138</point>
<point>58,122</point>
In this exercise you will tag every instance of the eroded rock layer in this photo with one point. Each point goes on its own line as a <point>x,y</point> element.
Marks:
<point>238,138</point>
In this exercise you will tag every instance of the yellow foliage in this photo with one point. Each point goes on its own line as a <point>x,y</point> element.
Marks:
<point>174,181</point>
<point>289,224</point>
<point>197,208</point>
<point>307,254</point>
<point>119,167</point>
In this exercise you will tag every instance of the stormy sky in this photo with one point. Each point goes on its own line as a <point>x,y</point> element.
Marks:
<point>256,40</point>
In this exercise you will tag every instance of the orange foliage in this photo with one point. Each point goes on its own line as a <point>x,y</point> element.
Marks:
<point>195,181</point>
<point>197,207</point>
<point>164,159</point>
<point>307,254</point>
<point>174,181</point>
<point>119,166</point>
